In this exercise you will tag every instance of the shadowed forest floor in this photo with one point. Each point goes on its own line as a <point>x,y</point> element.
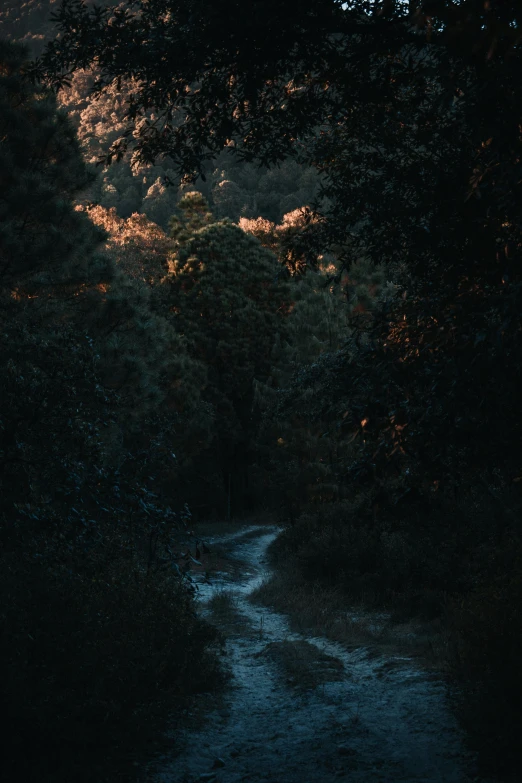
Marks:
<point>302,707</point>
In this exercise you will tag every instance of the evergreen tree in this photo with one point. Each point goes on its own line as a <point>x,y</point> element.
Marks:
<point>48,247</point>
<point>303,447</point>
<point>42,237</point>
<point>229,199</point>
<point>159,203</point>
<point>228,300</point>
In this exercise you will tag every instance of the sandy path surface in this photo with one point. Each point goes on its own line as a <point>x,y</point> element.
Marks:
<point>361,717</point>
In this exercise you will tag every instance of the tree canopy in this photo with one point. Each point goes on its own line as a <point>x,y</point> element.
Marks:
<point>431,82</point>
<point>390,376</point>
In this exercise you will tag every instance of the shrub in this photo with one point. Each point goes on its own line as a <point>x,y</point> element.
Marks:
<point>486,635</point>
<point>94,660</point>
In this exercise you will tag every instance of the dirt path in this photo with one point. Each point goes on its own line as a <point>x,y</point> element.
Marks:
<point>302,710</point>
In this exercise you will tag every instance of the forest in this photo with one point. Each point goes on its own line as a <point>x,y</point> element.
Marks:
<point>258,272</point>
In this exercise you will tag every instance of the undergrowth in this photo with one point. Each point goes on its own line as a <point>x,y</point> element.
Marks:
<point>454,565</point>
<point>96,665</point>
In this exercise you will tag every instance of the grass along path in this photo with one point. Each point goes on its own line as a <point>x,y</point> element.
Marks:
<point>302,708</point>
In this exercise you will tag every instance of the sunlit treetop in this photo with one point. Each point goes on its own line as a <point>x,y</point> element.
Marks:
<point>260,81</point>
<point>208,69</point>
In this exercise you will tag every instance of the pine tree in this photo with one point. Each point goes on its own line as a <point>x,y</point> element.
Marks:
<point>228,300</point>
<point>159,203</point>
<point>42,237</point>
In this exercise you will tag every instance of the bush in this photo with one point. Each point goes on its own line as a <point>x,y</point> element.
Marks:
<point>485,656</point>
<point>94,660</point>
<point>417,554</point>
<point>459,560</point>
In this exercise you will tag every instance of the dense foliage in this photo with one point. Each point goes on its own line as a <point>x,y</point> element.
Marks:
<point>226,297</point>
<point>376,398</point>
<point>97,642</point>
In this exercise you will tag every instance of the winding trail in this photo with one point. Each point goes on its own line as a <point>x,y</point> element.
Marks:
<point>383,720</point>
